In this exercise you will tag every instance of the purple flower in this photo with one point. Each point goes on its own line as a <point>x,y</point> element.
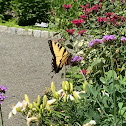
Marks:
<point>2,97</point>
<point>76,59</point>
<point>95,42</point>
<point>3,89</point>
<point>109,37</point>
<point>123,39</point>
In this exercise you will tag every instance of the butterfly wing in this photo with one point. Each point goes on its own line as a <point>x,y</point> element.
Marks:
<point>60,55</point>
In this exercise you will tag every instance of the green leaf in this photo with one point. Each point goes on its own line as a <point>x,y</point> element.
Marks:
<point>96,62</point>
<point>78,76</point>
<point>103,80</point>
<point>120,104</point>
<point>69,46</point>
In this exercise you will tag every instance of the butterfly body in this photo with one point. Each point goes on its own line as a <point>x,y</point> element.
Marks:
<point>60,55</point>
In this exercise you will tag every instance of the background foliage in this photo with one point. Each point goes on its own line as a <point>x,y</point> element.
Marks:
<point>29,12</point>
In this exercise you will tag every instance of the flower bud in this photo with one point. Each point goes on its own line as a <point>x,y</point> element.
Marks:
<point>75,95</point>
<point>71,87</point>
<point>63,85</point>
<point>65,98</point>
<point>44,100</point>
<point>38,100</point>
<point>47,107</point>
<point>53,87</point>
<point>55,95</point>
<point>84,85</point>
<point>67,86</point>
<point>26,98</point>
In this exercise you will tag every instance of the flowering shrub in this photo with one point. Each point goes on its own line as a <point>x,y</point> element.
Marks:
<point>95,91</point>
<point>94,16</point>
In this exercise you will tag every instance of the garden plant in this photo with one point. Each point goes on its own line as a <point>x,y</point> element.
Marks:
<point>94,32</point>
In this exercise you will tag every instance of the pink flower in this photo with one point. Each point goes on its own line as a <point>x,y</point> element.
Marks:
<point>82,32</point>
<point>67,7</point>
<point>70,31</point>
<point>101,20</point>
<point>52,13</point>
<point>96,7</point>
<point>84,71</point>
<point>123,19</point>
<point>78,22</point>
<point>83,17</point>
<point>84,7</point>
<point>61,40</point>
<point>108,14</point>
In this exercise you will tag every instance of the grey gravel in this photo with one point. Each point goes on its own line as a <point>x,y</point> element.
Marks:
<point>25,62</point>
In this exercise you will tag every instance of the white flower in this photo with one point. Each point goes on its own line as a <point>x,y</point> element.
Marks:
<point>92,122</point>
<point>80,43</point>
<point>50,102</point>
<point>69,96</point>
<point>80,52</point>
<point>14,110</point>
<point>104,93</point>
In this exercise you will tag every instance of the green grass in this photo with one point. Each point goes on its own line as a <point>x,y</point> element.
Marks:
<point>12,23</point>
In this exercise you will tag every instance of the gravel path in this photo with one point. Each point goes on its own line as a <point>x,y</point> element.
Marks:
<point>25,62</point>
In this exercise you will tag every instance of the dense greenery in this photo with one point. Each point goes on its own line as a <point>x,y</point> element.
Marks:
<point>4,6</point>
<point>31,11</point>
<point>26,12</point>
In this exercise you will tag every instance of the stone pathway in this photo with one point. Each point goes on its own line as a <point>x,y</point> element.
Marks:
<point>25,62</point>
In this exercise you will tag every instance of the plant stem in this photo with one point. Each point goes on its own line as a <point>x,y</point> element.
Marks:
<point>114,97</point>
<point>1,115</point>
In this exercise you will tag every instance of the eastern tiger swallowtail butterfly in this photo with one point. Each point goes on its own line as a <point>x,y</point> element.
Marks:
<point>60,55</point>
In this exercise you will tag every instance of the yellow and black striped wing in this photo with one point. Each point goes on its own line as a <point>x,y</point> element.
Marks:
<point>60,55</point>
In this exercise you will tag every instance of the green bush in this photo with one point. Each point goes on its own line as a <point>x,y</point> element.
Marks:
<point>29,12</point>
<point>4,6</point>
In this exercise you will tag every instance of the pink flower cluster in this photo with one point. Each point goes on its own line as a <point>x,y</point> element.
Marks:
<point>84,71</point>
<point>86,10</point>
<point>111,18</point>
<point>81,32</point>
<point>67,7</point>
<point>78,22</point>
<point>70,31</point>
